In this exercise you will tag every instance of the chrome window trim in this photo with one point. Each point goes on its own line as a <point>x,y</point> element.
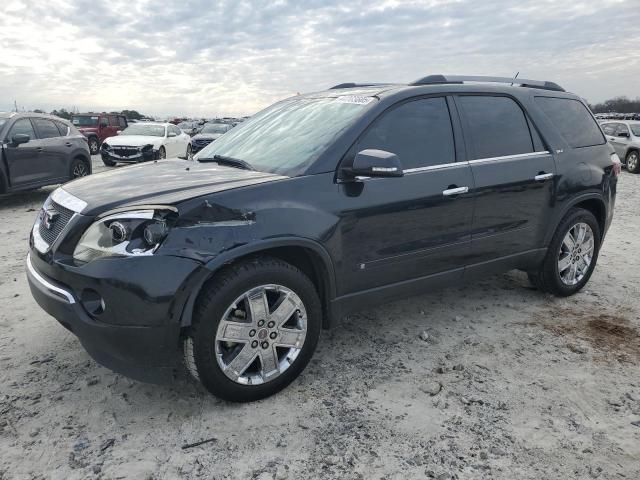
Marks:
<point>49,286</point>
<point>64,198</point>
<point>440,166</point>
<point>510,157</point>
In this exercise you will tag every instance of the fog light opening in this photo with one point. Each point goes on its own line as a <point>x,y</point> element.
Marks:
<point>92,302</point>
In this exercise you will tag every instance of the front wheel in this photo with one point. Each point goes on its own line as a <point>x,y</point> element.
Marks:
<point>94,145</point>
<point>162,153</point>
<point>255,328</point>
<point>633,162</point>
<point>571,256</point>
<point>79,168</point>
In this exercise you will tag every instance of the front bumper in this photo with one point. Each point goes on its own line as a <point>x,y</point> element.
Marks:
<point>145,156</point>
<point>145,344</point>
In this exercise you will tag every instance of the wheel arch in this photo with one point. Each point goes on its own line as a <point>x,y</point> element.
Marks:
<point>594,203</point>
<point>307,255</point>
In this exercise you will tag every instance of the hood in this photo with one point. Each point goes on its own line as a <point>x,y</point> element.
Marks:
<point>133,140</point>
<point>163,182</point>
<point>206,136</point>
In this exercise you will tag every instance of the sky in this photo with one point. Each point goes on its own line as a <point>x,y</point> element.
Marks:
<point>235,57</point>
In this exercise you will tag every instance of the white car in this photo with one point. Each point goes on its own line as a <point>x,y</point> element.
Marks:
<point>140,142</point>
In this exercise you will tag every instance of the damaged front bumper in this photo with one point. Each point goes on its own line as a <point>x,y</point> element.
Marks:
<point>136,157</point>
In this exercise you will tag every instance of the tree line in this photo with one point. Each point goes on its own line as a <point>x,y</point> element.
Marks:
<point>64,113</point>
<point>618,105</point>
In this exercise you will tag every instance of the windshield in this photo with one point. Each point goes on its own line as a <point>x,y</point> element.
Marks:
<point>142,129</point>
<point>184,125</point>
<point>85,120</point>
<point>634,128</point>
<point>214,128</point>
<point>288,136</point>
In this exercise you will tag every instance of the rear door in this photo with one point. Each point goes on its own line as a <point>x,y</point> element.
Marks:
<point>404,228</point>
<point>621,140</point>
<point>513,175</point>
<point>26,162</point>
<point>55,153</point>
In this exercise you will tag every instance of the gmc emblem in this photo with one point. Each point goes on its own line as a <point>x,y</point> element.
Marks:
<point>49,216</point>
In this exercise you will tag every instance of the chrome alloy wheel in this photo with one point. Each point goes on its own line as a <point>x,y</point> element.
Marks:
<point>261,334</point>
<point>632,162</point>
<point>576,253</point>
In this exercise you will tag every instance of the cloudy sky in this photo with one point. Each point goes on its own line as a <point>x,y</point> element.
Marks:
<point>233,57</point>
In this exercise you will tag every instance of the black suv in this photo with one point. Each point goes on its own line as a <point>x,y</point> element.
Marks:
<point>317,206</point>
<point>38,150</point>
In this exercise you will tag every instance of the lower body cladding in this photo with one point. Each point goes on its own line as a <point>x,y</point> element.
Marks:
<point>137,157</point>
<point>125,311</point>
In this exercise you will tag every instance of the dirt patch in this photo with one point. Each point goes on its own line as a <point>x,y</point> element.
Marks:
<point>612,334</point>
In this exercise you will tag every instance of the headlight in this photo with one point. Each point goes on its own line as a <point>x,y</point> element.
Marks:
<point>106,146</point>
<point>125,234</point>
<point>146,148</point>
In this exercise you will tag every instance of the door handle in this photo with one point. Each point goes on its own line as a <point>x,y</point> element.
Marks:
<point>455,191</point>
<point>69,144</point>
<point>39,149</point>
<point>541,177</point>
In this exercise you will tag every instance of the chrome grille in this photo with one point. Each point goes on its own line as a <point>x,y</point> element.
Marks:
<point>201,143</point>
<point>53,219</point>
<point>126,151</point>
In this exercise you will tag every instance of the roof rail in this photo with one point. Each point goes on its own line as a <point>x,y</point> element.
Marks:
<point>440,79</point>
<point>356,85</point>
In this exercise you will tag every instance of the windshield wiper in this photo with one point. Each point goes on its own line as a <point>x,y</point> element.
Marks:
<point>230,161</point>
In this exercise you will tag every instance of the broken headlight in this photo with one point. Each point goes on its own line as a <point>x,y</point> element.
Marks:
<point>125,234</point>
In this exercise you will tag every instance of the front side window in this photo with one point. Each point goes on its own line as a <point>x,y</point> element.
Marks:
<point>122,122</point>
<point>22,127</point>
<point>636,130</point>
<point>113,121</point>
<point>46,128</point>
<point>495,126</point>
<point>289,136</point>
<point>419,132</point>
<point>573,121</point>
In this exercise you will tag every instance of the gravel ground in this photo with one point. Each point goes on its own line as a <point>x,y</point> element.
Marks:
<point>488,380</point>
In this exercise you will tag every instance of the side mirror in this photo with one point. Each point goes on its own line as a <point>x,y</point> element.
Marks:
<point>376,163</point>
<point>19,138</point>
<point>623,134</point>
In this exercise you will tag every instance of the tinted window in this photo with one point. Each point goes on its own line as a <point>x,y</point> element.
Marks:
<point>64,129</point>
<point>496,126</point>
<point>122,122</point>
<point>46,128</point>
<point>573,121</point>
<point>419,132</point>
<point>22,126</point>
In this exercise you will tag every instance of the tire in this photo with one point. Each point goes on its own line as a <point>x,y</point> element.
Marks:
<point>162,153</point>
<point>554,276</point>
<point>189,154</point>
<point>633,161</point>
<point>79,168</point>
<point>94,145</point>
<point>211,360</point>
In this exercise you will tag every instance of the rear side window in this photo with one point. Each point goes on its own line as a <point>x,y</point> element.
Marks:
<point>46,128</point>
<point>609,128</point>
<point>573,121</point>
<point>113,121</point>
<point>123,122</point>
<point>24,127</point>
<point>496,126</point>
<point>64,129</point>
<point>419,132</point>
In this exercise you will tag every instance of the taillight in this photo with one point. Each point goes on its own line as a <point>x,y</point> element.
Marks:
<point>617,164</point>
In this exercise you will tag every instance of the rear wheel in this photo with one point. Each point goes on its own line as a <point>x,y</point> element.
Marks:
<point>255,328</point>
<point>571,256</point>
<point>94,145</point>
<point>633,162</point>
<point>79,168</point>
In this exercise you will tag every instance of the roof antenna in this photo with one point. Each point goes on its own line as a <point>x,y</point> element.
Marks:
<point>518,73</point>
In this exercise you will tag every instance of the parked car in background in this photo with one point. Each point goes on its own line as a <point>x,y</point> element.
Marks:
<point>318,206</point>
<point>146,141</point>
<point>38,150</point>
<point>625,138</point>
<point>97,127</point>
<point>208,133</point>
<point>190,128</point>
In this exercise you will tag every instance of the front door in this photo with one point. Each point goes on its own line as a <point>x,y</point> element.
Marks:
<point>412,227</point>
<point>26,162</point>
<point>621,140</point>
<point>513,176</point>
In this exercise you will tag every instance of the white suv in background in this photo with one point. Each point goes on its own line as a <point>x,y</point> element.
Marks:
<point>625,137</point>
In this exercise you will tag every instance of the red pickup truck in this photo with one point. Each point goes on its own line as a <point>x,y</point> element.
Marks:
<point>98,126</point>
